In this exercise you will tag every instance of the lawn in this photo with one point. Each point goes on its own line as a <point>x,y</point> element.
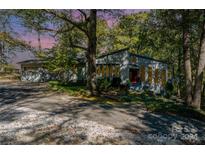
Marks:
<point>114,98</point>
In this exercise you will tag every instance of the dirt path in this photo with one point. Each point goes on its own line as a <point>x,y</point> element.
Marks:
<point>30,114</point>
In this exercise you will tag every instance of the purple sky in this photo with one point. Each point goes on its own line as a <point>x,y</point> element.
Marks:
<point>46,40</point>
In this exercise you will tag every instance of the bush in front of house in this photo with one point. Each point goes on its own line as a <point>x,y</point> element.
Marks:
<point>116,81</point>
<point>103,85</point>
<point>126,98</point>
<point>169,88</point>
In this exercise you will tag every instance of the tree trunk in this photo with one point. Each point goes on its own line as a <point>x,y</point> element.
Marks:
<point>39,41</point>
<point>187,58</point>
<point>179,70</point>
<point>196,103</point>
<point>91,54</point>
<point>203,95</point>
<point>1,58</point>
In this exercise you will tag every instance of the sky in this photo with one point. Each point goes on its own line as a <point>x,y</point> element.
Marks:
<point>46,40</point>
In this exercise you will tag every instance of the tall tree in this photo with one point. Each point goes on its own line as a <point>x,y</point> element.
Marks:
<point>91,54</point>
<point>187,56</point>
<point>200,69</point>
<point>9,40</point>
<point>82,20</point>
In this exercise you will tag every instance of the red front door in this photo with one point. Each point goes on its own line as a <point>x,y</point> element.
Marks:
<point>133,75</point>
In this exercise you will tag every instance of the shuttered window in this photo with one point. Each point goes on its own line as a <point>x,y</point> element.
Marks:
<point>150,74</point>
<point>142,73</point>
<point>156,78</point>
<point>163,77</point>
<point>103,71</point>
<point>114,71</point>
<point>111,70</point>
<point>98,70</point>
<point>107,71</point>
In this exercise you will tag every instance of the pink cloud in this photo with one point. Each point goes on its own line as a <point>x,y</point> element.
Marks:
<point>46,40</point>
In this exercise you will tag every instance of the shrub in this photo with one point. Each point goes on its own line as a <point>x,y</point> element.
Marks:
<point>126,98</point>
<point>103,85</point>
<point>169,88</point>
<point>116,82</point>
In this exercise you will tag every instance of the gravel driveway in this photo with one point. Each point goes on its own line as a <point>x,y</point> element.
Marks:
<point>31,114</point>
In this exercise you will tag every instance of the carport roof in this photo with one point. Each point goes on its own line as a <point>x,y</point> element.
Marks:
<point>31,61</point>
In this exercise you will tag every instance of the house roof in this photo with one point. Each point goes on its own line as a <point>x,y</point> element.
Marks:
<point>127,49</point>
<point>81,58</point>
<point>31,61</point>
<point>112,53</point>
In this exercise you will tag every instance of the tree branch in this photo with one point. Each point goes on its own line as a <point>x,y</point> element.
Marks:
<point>84,14</point>
<point>76,46</point>
<point>79,47</point>
<point>63,17</point>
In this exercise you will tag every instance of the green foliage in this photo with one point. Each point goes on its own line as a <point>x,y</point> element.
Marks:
<point>71,89</point>
<point>128,31</point>
<point>9,40</point>
<point>103,32</point>
<point>169,88</point>
<point>103,85</point>
<point>126,98</point>
<point>158,34</point>
<point>62,58</point>
<point>166,105</point>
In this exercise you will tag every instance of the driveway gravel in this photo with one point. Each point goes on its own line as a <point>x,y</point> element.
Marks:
<point>31,114</point>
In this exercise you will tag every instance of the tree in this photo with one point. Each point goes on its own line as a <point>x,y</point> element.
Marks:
<point>88,27</point>
<point>9,41</point>
<point>166,34</point>
<point>83,20</point>
<point>200,69</point>
<point>91,54</point>
<point>61,59</point>
<point>187,56</point>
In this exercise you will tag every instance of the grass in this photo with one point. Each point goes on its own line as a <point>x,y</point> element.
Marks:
<point>151,102</point>
<point>78,91</point>
<point>9,76</point>
<point>169,106</point>
<point>73,90</point>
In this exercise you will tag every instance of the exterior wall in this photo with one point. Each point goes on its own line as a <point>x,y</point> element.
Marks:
<point>35,73</point>
<point>156,87</point>
<point>124,68</point>
<point>127,60</point>
<point>121,59</point>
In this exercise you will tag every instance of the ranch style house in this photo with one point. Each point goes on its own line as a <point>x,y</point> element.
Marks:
<point>138,71</point>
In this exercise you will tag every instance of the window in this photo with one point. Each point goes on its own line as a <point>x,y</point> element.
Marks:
<point>142,73</point>
<point>156,78</point>
<point>98,70</point>
<point>111,70</point>
<point>114,70</point>
<point>150,74</point>
<point>163,77</point>
<point>103,71</point>
<point>107,71</point>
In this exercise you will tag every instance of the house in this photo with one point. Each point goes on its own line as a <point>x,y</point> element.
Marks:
<point>140,72</point>
<point>32,70</point>
<point>137,71</point>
